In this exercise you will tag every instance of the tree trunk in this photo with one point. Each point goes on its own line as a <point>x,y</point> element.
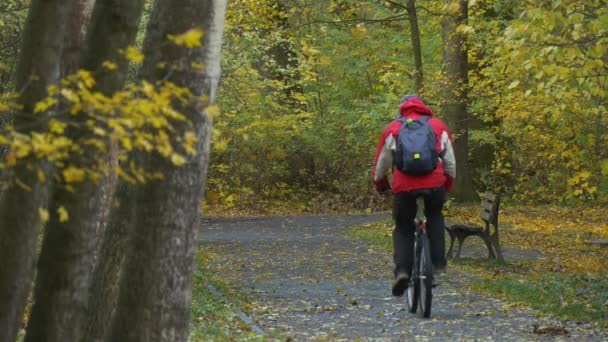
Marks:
<point>69,250</point>
<point>455,97</point>
<point>156,288</point>
<point>416,49</point>
<point>108,272</point>
<point>38,67</point>
<point>76,28</point>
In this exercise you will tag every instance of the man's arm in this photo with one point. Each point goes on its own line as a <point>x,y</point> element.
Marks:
<point>448,158</point>
<point>383,162</point>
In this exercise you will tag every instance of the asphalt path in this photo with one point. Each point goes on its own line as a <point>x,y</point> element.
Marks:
<point>308,279</point>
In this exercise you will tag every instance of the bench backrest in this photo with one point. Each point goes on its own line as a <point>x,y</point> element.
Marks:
<point>489,208</point>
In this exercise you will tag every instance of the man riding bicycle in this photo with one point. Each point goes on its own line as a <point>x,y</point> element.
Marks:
<point>406,186</point>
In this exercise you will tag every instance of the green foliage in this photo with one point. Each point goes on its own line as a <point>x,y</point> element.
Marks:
<point>12,17</point>
<point>305,93</point>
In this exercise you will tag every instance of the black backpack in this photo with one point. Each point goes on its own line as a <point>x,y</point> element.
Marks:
<point>416,152</point>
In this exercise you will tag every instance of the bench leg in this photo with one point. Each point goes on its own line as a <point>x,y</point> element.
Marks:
<point>488,242</point>
<point>449,253</point>
<point>460,242</point>
<point>496,244</point>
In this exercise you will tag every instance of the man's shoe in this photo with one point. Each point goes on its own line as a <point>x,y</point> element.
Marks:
<point>400,284</point>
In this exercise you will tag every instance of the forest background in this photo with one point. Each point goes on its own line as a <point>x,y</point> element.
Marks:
<point>307,87</point>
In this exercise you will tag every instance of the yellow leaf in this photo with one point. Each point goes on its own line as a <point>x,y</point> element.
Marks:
<point>73,174</point>
<point>86,78</point>
<point>57,126</point>
<point>190,39</point>
<point>40,175</point>
<point>11,159</point>
<point>44,214</point>
<point>125,176</point>
<point>109,65</point>
<point>133,55</point>
<point>126,143</point>
<point>453,7</point>
<point>198,66</point>
<point>44,105</point>
<point>63,214</point>
<point>513,84</point>
<point>178,159</point>
<point>359,32</point>
<point>213,111</point>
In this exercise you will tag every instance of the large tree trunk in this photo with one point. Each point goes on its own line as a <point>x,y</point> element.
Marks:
<point>108,272</point>
<point>156,288</point>
<point>76,28</point>
<point>39,67</point>
<point>69,249</point>
<point>416,49</point>
<point>455,97</point>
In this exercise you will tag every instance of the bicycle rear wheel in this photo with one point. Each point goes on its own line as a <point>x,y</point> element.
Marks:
<point>425,283</point>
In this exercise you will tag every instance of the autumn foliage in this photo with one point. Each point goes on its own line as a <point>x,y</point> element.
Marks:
<point>308,87</point>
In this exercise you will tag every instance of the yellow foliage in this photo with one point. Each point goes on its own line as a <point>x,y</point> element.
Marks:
<point>63,214</point>
<point>44,214</point>
<point>109,65</point>
<point>189,39</point>
<point>73,174</point>
<point>133,55</point>
<point>178,159</point>
<point>213,111</point>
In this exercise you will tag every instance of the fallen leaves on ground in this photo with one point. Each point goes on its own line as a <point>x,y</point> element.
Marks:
<point>559,233</point>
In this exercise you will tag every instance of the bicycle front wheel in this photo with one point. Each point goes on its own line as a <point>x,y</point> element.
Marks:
<point>425,282</point>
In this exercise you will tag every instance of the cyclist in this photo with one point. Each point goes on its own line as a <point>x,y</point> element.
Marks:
<point>406,188</point>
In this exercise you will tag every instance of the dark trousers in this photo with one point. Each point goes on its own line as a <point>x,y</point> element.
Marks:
<point>404,212</point>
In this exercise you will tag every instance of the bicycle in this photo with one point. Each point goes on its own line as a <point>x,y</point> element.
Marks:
<point>420,289</point>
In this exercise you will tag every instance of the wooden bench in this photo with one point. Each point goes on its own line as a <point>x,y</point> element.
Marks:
<point>489,216</point>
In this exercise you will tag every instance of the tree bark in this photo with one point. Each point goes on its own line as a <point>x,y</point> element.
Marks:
<point>156,289</point>
<point>416,49</point>
<point>69,250</point>
<point>76,28</point>
<point>455,97</point>
<point>108,271</point>
<point>38,67</point>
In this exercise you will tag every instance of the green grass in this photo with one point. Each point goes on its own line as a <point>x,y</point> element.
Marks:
<point>214,313</point>
<point>581,297</point>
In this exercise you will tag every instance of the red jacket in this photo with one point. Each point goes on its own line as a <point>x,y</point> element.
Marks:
<point>443,175</point>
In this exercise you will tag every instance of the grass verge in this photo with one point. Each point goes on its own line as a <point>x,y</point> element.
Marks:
<point>571,295</point>
<point>214,309</point>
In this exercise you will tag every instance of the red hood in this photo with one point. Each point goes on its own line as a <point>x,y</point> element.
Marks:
<point>414,106</point>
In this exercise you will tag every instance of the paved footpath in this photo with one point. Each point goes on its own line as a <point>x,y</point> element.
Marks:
<point>307,280</point>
